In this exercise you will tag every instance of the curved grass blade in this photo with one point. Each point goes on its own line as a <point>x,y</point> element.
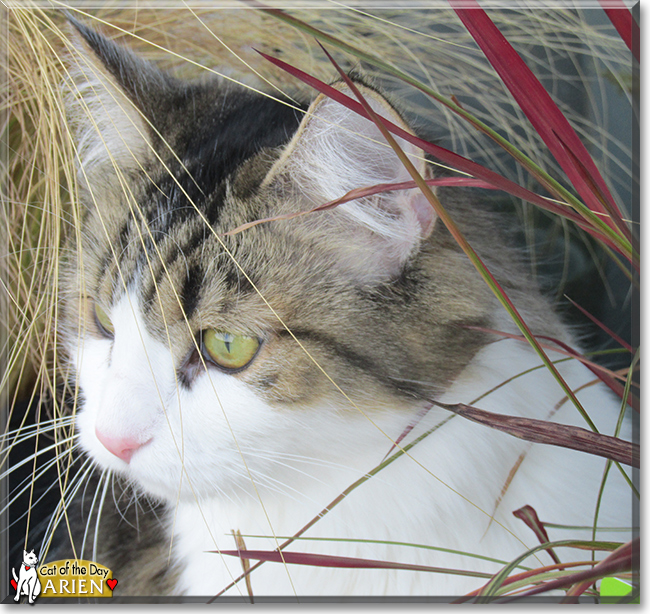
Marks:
<point>552,433</point>
<point>531,576</point>
<point>451,158</point>
<point>362,193</point>
<point>529,516</point>
<point>502,577</point>
<point>624,558</point>
<point>342,562</point>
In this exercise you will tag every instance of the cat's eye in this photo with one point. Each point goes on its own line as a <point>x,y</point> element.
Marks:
<point>228,351</point>
<point>104,322</point>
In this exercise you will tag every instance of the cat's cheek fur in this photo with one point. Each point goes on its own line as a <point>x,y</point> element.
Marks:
<point>187,432</point>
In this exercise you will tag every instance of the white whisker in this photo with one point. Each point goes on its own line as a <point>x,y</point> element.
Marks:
<point>32,479</point>
<point>66,498</point>
<point>103,476</point>
<point>99,515</point>
<point>32,457</point>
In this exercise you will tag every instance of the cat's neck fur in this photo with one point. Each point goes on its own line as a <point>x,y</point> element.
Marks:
<point>458,475</point>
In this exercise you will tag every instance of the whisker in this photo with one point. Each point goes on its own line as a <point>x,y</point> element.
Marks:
<point>61,508</point>
<point>117,501</point>
<point>102,476</point>
<point>31,479</point>
<point>35,455</point>
<point>99,515</point>
<point>27,433</point>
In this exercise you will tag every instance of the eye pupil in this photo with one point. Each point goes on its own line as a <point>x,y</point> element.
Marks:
<point>228,351</point>
<point>228,341</point>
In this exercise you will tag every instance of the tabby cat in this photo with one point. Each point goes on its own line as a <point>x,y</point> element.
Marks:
<point>242,382</point>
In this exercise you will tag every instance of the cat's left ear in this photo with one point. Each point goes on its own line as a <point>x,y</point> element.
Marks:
<point>336,150</point>
<point>113,97</point>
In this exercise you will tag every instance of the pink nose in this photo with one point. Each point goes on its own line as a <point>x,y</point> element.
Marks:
<point>122,447</point>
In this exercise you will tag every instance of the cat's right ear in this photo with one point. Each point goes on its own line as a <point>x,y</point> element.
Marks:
<point>336,150</point>
<point>110,101</point>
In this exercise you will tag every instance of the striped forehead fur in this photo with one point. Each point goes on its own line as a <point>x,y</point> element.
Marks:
<point>234,163</point>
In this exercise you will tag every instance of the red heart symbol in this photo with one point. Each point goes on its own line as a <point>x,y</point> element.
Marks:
<point>13,583</point>
<point>26,566</point>
<point>111,583</point>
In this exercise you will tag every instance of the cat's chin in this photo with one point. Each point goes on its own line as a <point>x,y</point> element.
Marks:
<point>162,484</point>
<point>148,473</point>
<point>172,492</point>
<point>166,493</point>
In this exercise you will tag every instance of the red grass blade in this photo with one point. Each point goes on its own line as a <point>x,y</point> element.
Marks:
<point>593,186</point>
<point>341,562</point>
<point>598,323</point>
<point>463,164</point>
<point>625,558</point>
<point>529,516</point>
<point>369,191</point>
<point>552,433</point>
<point>604,375</point>
<point>535,102</point>
<point>409,427</point>
<point>625,25</point>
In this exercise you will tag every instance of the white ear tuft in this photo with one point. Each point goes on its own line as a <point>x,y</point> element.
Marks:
<point>337,150</point>
<point>111,132</point>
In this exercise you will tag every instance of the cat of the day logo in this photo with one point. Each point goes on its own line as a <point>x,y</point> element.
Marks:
<point>65,578</point>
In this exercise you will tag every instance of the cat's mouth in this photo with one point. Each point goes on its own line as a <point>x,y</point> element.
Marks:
<point>137,461</point>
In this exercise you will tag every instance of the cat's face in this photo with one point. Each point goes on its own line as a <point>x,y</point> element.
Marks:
<point>203,358</point>
<point>29,558</point>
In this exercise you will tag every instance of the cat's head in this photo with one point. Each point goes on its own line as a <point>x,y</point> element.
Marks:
<point>29,558</point>
<point>203,358</point>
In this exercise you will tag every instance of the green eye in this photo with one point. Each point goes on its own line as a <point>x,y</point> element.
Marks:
<point>231,352</point>
<point>104,322</point>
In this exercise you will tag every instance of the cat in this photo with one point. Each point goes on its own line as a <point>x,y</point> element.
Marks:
<point>27,580</point>
<point>242,382</point>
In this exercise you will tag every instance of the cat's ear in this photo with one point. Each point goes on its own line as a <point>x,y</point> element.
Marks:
<point>336,150</point>
<point>110,104</point>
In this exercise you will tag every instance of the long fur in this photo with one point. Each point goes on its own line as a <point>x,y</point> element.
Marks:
<point>365,314</point>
